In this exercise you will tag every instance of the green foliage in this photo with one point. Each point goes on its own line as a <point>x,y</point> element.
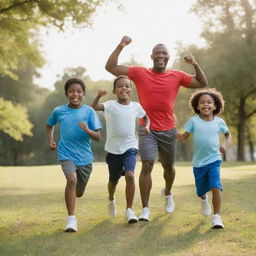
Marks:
<point>14,120</point>
<point>20,21</point>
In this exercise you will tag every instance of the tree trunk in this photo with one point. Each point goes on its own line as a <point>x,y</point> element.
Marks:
<point>251,144</point>
<point>241,130</point>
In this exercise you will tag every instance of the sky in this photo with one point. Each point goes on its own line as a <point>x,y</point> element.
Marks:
<point>147,22</point>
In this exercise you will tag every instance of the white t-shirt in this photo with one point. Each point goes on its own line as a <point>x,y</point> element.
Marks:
<point>121,123</point>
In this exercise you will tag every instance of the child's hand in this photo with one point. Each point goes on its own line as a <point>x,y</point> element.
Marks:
<point>52,145</point>
<point>223,150</point>
<point>83,126</point>
<point>190,59</point>
<point>102,92</point>
<point>180,137</point>
<point>125,41</point>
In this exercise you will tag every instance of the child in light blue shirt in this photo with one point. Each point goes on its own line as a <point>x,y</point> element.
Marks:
<point>206,128</point>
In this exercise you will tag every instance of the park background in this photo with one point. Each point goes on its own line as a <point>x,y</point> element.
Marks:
<point>45,42</point>
<point>224,44</point>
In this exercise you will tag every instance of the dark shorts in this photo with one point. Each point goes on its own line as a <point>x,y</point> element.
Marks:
<point>82,173</point>
<point>119,164</point>
<point>161,143</point>
<point>207,177</point>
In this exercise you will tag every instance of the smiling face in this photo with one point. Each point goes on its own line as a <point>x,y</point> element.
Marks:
<point>123,89</point>
<point>160,56</point>
<point>75,95</point>
<point>206,106</point>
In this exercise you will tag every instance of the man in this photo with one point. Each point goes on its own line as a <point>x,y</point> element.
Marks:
<point>157,89</point>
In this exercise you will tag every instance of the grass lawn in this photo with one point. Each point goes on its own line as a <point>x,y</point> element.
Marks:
<point>33,215</point>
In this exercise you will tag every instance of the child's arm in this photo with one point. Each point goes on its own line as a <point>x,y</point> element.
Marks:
<point>226,142</point>
<point>147,123</point>
<point>95,135</point>
<point>95,104</point>
<point>52,143</point>
<point>182,136</point>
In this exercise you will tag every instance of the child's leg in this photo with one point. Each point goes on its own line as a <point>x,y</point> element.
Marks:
<point>130,188</point>
<point>83,175</point>
<point>112,189</point>
<point>216,200</point>
<point>216,187</point>
<point>70,192</point>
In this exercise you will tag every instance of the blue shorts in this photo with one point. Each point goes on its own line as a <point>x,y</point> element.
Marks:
<point>207,177</point>
<point>119,164</point>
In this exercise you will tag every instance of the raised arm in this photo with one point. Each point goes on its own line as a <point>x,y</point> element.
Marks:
<point>95,104</point>
<point>52,143</point>
<point>199,80</point>
<point>112,62</point>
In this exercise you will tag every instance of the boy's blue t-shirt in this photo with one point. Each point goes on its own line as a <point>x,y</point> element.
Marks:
<point>206,139</point>
<point>74,143</point>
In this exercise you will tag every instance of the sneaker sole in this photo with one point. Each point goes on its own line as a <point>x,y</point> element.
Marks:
<point>70,230</point>
<point>217,227</point>
<point>143,219</point>
<point>131,221</point>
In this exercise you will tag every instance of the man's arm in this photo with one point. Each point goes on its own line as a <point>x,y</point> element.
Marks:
<point>52,143</point>
<point>112,62</point>
<point>199,80</point>
<point>95,104</point>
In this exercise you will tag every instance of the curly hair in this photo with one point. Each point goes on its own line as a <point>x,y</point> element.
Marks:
<point>217,97</point>
<point>74,80</point>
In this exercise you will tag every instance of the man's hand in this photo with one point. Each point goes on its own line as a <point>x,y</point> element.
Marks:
<point>125,41</point>
<point>190,59</point>
<point>102,92</point>
<point>52,145</point>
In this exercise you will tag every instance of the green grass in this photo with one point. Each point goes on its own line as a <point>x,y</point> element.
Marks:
<point>33,215</point>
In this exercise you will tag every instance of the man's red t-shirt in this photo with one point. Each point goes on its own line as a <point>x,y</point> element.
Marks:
<point>157,94</point>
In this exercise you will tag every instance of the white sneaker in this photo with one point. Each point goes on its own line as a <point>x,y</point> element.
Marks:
<point>217,222</point>
<point>112,208</point>
<point>169,203</point>
<point>205,207</point>
<point>131,217</point>
<point>145,215</point>
<point>71,224</point>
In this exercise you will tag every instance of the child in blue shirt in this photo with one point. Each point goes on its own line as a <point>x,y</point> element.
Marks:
<point>206,128</point>
<point>78,124</point>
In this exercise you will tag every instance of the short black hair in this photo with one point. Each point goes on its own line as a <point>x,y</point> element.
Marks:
<point>120,77</point>
<point>74,80</point>
<point>217,97</point>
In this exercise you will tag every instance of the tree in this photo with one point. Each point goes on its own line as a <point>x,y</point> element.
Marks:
<point>15,121</point>
<point>20,21</point>
<point>230,58</point>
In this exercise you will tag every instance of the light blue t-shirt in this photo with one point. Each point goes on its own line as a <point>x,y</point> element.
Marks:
<point>206,139</point>
<point>74,143</point>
